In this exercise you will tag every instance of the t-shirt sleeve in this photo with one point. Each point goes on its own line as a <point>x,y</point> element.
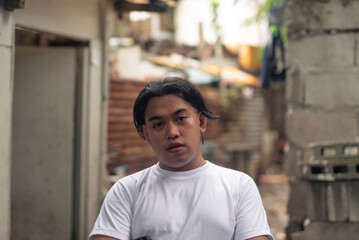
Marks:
<point>114,219</point>
<point>251,219</point>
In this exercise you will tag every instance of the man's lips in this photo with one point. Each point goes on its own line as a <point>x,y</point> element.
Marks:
<point>175,147</point>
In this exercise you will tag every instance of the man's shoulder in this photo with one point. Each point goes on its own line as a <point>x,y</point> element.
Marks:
<point>229,171</point>
<point>230,174</point>
<point>133,179</point>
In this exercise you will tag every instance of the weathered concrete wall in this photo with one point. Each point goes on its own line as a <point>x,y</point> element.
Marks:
<point>6,55</point>
<point>322,85</point>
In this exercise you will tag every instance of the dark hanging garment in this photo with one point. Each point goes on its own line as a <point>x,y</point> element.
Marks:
<point>273,61</point>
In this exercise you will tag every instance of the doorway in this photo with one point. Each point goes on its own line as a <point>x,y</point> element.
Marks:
<point>48,77</point>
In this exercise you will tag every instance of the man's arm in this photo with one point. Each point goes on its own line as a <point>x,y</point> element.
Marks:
<point>114,219</point>
<point>251,220</point>
<point>102,237</point>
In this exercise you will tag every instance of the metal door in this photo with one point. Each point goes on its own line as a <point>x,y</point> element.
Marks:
<point>43,143</point>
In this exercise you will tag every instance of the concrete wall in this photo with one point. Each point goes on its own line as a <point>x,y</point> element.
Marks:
<point>6,55</point>
<point>322,84</point>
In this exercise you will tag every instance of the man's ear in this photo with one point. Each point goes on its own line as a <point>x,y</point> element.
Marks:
<point>203,120</point>
<point>145,134</point>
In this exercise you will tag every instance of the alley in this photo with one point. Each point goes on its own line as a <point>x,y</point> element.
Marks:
<point>274,189</point>
<point>281,74</point>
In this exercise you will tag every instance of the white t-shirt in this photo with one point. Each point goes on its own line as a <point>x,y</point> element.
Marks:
<point>210,202</point>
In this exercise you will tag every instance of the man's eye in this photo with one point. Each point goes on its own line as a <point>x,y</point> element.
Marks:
<point>157,125</point>
<point>180,119</point>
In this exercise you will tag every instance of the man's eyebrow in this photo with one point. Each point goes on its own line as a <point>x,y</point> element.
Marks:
<point>175,113</point>
<point>154,118</point>
<point>180,110</point>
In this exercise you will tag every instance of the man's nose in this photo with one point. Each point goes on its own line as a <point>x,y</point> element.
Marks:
<point>172,131</point>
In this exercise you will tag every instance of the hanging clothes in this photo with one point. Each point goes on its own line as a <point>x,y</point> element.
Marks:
<point>273,61</point>
<point>273,75</point>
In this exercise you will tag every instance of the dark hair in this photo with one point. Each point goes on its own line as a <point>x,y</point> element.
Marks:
<point>168,85</point>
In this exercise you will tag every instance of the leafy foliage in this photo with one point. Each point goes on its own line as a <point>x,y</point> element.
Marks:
<point>264,10</point>
<point>215,5</point>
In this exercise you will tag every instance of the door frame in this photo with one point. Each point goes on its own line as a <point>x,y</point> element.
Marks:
<point>89,134</point>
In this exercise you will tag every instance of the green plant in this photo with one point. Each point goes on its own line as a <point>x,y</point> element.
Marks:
<point>264,10</point>
<point>215,5</point>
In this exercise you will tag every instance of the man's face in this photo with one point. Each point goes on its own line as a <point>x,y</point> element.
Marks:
<point>173,128</point>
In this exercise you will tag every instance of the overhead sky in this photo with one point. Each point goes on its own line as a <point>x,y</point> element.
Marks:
<point>231,18</point>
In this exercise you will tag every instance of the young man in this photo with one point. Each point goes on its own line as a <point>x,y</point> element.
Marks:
<point>184,196</point>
